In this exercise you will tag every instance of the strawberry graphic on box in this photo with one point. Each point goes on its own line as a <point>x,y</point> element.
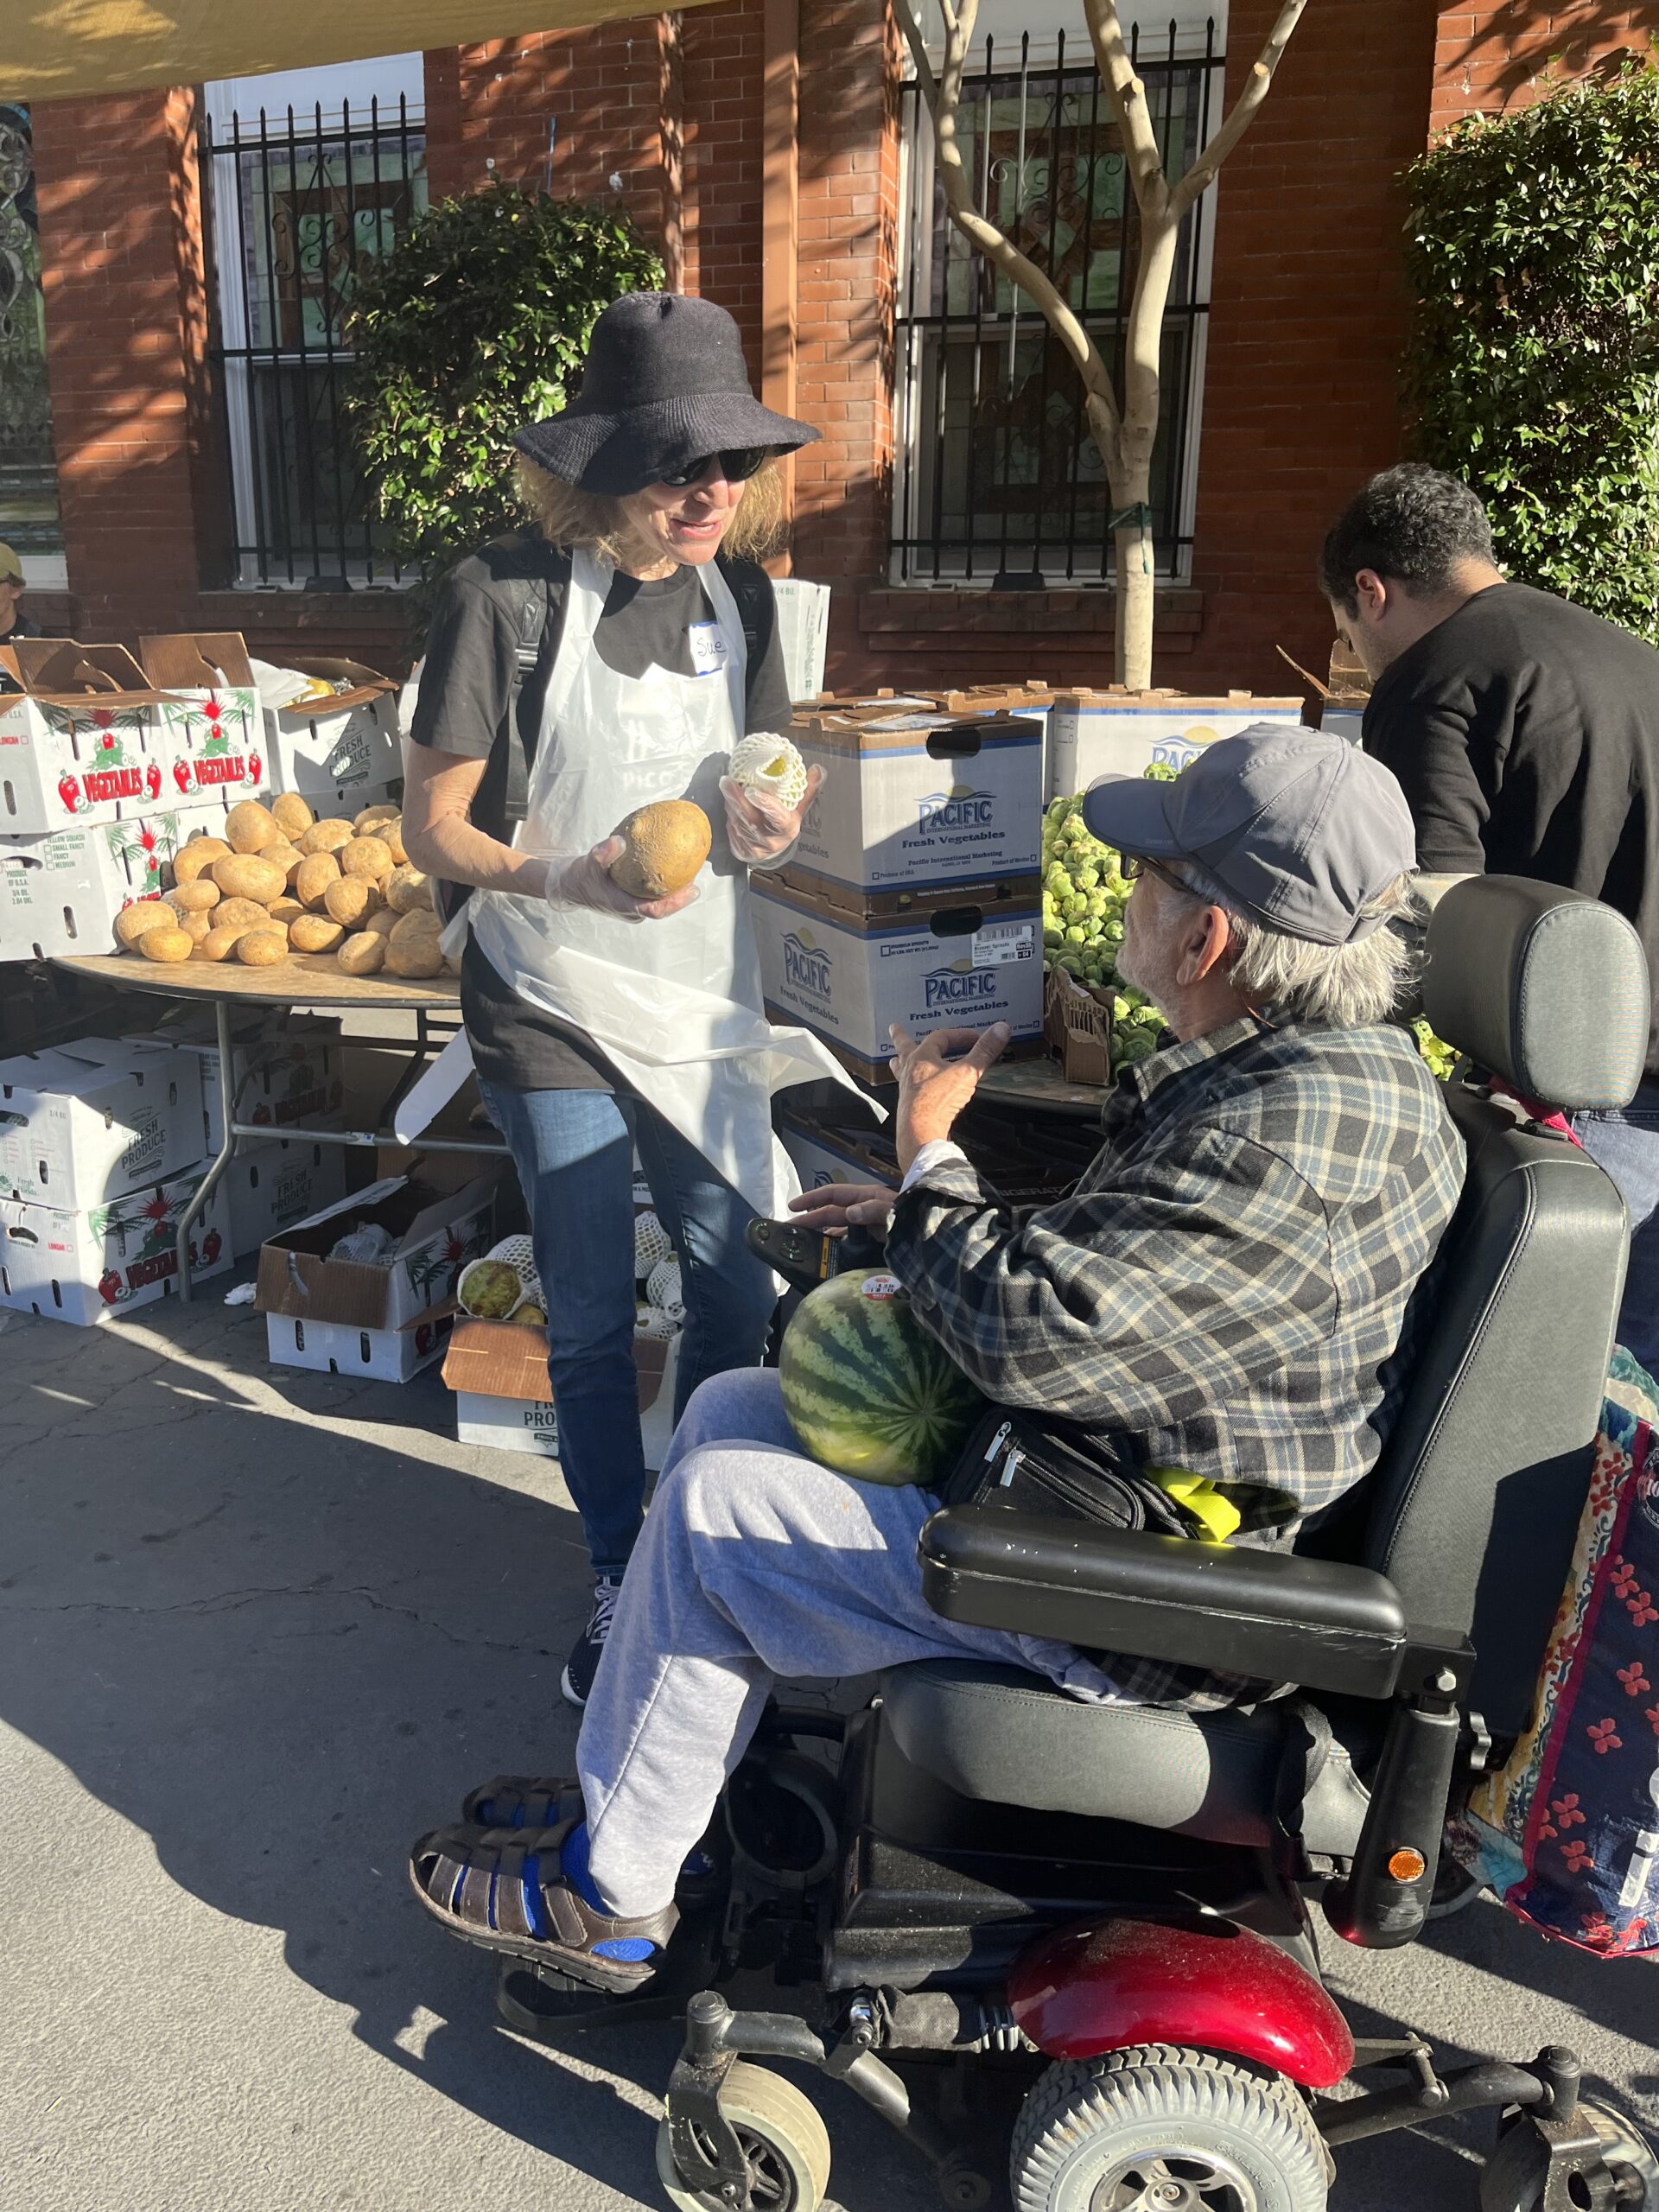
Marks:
<point>181,774</point>
<point>109,1286</point>
<point>256,767</point>
<point>213,1245</point>
<point>152,780</point>
<point>69,793</point>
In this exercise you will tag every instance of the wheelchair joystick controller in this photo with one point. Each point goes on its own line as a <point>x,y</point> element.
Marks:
<point>806,1257</point>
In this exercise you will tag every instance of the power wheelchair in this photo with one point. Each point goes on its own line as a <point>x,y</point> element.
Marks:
<point>1113,1907</point>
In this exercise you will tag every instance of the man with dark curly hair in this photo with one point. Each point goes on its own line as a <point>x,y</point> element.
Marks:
<point>1525,734</point>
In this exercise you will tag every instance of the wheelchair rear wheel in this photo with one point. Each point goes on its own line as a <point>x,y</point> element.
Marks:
<point>1160,2129</point>
<point>782,2140</point>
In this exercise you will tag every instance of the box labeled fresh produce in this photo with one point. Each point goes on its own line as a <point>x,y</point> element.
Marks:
<point>388,1316</point>
<point>211,725</point>
<point>269,1187</point>
<point>82,1264</point>
<point>85,1124</point>
<point>963,959</point>
<point>919,797</point>
<point>81,738</point>
<point>339,738</point>
<point>498,1371</point>
<point>1094,733</point>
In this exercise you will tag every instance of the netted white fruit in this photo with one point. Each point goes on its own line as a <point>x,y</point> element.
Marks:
<point>651,1244</point>
<point>664,1291</point>
<point>768,763</point>
<point>649,1322</point>
<point>492,1288</point>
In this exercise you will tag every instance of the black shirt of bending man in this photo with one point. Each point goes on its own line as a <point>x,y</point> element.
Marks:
<point>1525,734</point>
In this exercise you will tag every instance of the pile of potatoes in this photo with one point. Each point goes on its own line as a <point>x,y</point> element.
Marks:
<point>280,881</point>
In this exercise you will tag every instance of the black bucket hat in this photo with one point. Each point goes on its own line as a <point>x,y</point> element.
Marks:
<point>664,386</point>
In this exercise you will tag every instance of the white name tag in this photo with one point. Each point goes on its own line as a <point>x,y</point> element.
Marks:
<point>707,647</point>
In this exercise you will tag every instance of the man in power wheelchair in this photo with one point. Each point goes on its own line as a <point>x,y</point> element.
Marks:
<point>1214,1734</point>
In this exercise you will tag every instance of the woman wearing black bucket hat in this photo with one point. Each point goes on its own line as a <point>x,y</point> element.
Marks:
<point>600,1024</point>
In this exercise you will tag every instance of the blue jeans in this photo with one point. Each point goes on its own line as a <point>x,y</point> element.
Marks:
<point>573,1151</point>
<point>1626,1143</point>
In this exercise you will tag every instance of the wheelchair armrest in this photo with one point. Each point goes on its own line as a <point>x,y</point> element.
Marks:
<point>1273,1615</point>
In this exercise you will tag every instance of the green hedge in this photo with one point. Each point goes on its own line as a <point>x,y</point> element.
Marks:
<point>1532,251</point>
<point>473,324</point>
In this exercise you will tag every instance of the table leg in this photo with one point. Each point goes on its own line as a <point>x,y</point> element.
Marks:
<point>227,1146</point>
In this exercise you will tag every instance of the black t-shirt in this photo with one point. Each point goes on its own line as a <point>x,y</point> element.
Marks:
<point>1525,734</point>
<point>465,692</point>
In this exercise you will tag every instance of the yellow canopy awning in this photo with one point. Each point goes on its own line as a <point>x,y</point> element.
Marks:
<point>62,50</point>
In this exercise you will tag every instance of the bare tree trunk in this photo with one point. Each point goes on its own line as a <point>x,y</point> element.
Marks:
<point>1125,434</point>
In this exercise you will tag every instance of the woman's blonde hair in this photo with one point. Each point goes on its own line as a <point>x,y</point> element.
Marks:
<point>569,517</point>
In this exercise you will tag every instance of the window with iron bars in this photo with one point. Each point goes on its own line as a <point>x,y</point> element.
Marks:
<point>301,206</point>
<point>995,472</point>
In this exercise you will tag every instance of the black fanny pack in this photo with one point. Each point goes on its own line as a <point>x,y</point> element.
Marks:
<point>1015,1461</point>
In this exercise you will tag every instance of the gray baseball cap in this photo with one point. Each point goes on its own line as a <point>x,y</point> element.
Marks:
<point>1303,830</point>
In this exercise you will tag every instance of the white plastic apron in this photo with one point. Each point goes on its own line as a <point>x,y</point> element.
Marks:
<point>674,1005</point>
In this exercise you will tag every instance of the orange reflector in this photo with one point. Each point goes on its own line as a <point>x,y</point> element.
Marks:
<point>1407,1866</point>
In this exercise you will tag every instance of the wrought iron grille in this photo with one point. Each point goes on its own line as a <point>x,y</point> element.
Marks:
<point>29,481</point>
<point>299,209</point>
<point>996,470</point>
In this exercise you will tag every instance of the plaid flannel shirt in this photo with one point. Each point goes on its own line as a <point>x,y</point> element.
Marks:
<point>1228,1287</point>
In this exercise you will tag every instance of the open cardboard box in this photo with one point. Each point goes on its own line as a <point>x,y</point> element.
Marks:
<point>82,736</point>
<point>498,1371</point>
<point>210,714</point>
<point>323,748</point>
<point>342,1317</point>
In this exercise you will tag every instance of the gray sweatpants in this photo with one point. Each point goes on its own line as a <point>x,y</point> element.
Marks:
<point>754,1563</point>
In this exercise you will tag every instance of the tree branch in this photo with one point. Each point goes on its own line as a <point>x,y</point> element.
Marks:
<point>1127,95</point>
<point>943,95</point>
<point>1202,173</point>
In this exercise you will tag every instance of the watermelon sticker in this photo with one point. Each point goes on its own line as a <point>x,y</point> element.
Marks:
<point>881,1287</point>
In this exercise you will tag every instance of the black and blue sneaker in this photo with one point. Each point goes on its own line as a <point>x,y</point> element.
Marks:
<point>526,1893</point>
<point>576,1683</point>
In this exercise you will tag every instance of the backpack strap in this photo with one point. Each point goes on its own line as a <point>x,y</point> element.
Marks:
<point>747,585</point>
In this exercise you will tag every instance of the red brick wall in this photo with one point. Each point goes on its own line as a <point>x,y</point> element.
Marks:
<point>1489,58</point>
<point>848,227</point>
<point>1306,327</point>
<point>116,272</point>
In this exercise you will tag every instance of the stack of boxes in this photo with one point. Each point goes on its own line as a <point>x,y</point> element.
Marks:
<point>108,767</point>
<point>105,1141</point>
<point>913,895</point>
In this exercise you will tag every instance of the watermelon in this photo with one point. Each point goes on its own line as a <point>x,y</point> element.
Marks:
<point>867,1390</point>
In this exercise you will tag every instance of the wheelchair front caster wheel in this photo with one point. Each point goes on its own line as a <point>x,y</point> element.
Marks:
<point>1177,2129</point>
<point>1517,2172</point>
<point>782,2138</point>
<point>964,2188</point>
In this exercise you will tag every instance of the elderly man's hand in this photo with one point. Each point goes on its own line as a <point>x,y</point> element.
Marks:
<point>933,1085</point>
<point>836,1207</point>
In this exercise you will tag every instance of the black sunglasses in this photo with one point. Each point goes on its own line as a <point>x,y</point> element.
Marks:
<point>737,465</point>
<point>1135,864</point>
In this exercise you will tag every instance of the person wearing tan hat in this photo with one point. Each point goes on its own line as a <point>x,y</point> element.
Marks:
<point>14,623</point>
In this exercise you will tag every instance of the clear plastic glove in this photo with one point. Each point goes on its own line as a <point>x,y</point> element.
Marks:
<point>586,880</point>
<point>759,830</point>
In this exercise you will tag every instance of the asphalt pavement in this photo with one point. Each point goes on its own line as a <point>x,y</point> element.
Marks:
<point>258,1629</point>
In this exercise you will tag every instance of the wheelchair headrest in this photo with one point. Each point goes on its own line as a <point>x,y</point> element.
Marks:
<point>1542,987</point>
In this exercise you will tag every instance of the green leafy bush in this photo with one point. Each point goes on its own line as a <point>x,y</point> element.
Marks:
<point>1532,251</point>
<point>473,324</point>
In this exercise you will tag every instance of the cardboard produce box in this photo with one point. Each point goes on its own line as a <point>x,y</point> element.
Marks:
<point>344,1317</point>
<point>962,959</point>
<point>498,1371</point>
<point>85,1124</point>
<point>211,719</point>
<point>824,1153</point>
<point>1123,734</point>
<point>82,1264</point>
<point>269,1187</point>
<point>61,894</point>
<point>331,748</point>
<point>275,1081</point>
<point>82,736</point>
<point>1343,709</point>
<point>919,797</point>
